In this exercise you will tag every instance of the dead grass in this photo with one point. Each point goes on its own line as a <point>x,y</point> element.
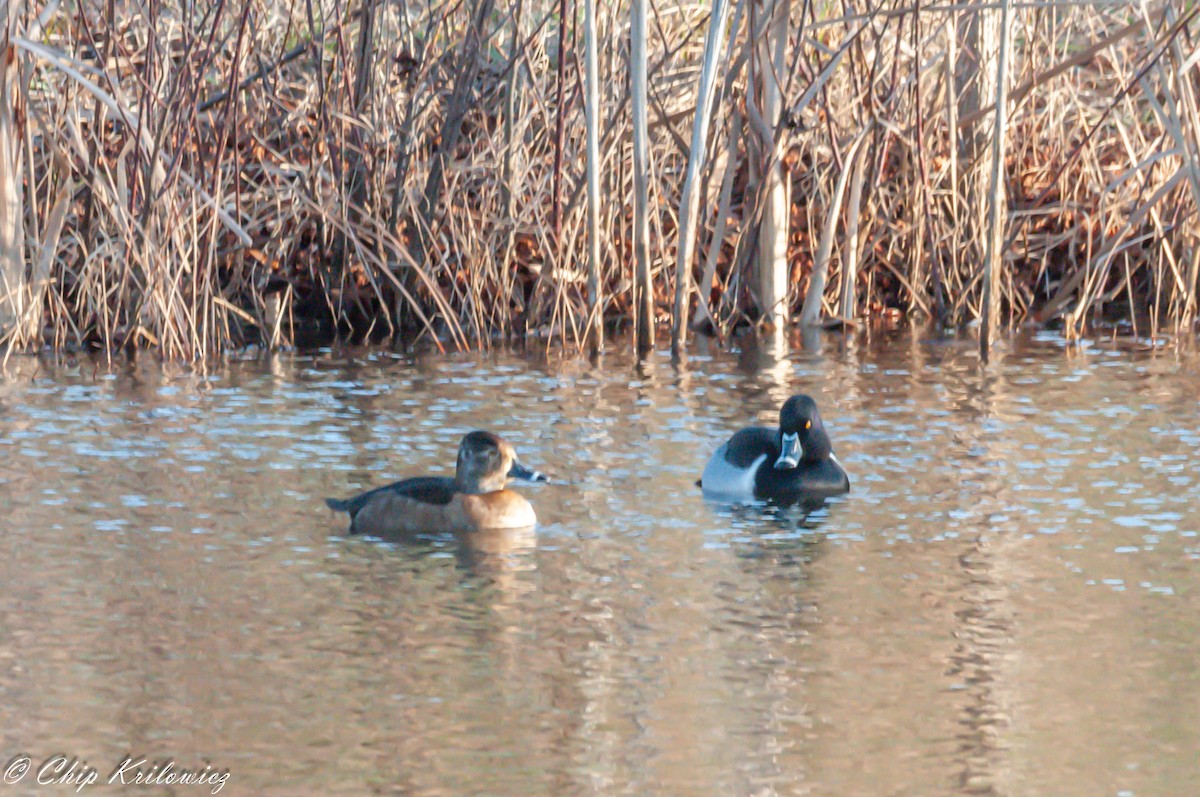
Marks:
<point>203,176</point>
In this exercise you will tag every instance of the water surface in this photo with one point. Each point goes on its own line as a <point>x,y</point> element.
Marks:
<point>1005,604</point>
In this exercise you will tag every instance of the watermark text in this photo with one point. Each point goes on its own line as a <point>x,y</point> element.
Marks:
<point>75,772</point>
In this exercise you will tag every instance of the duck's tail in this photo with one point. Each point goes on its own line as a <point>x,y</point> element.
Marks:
<point>351,505</point>
<point>338,505</point>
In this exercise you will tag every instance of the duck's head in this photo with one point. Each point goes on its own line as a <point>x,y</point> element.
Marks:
<point>802,436</point>
<point>485,463</point>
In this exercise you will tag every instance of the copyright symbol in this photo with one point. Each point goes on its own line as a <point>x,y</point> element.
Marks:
<point>16,769</point>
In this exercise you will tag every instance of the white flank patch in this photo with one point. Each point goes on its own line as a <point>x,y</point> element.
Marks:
<point>722,478</point>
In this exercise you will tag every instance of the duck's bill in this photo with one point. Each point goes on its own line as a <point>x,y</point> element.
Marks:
<point>789,457</point>
<point>519,471</point>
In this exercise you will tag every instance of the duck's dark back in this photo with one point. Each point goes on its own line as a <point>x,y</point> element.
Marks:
<point>433,490</point>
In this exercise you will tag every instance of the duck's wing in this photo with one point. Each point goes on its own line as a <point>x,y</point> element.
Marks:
<point>434,490</point>
<point>745,447</point>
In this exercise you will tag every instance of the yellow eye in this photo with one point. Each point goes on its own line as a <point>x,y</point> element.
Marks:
<point>808,424</point>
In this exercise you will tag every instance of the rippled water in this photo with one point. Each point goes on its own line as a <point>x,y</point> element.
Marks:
<point>1006,603</point>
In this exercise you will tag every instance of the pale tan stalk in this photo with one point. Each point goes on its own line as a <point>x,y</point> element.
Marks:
<point>689,201</point>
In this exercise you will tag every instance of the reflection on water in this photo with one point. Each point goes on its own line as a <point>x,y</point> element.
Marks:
<point>1006,602</point>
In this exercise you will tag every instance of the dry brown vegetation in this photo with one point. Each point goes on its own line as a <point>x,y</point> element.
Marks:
<point>199,176</point>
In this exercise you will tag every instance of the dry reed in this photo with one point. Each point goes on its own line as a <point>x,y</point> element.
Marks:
<point>195,177</point>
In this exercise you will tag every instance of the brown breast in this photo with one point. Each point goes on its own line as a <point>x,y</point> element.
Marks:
<point>502,509</point>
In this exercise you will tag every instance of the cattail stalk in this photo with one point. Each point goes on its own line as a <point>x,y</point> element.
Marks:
<point>12,202</point>
<point>595,327</point>
<point>772,262</point>
<point>689,202</point>
<point>643,288</point>
<point>810,314</point>
<point>997,198</point>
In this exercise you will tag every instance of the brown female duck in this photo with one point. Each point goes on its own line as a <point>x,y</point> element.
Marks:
<point>474,499</point>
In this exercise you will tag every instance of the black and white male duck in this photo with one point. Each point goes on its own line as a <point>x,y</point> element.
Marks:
<point>788,465</point>
<point>473,500</point>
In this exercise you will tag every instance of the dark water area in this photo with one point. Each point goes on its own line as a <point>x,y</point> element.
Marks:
<point>1006,603</point>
